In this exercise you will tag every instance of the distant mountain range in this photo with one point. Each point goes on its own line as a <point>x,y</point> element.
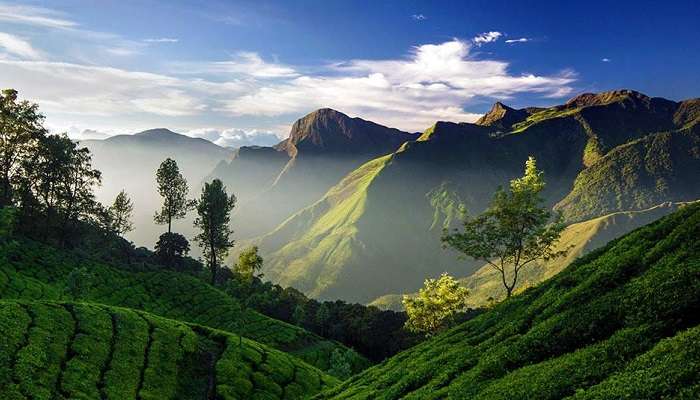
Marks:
<point>130,162</point>
<point>377,231</point>
<point>346,208</point>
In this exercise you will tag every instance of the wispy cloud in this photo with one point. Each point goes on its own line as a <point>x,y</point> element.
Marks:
<point>419,17</point>
<point>14,45</point>
<point>605,60</point>
<point>486,37</point>
<point>37,16</point>
<point>161,40</point>
<point>433,82</point>
<point>519,40</point>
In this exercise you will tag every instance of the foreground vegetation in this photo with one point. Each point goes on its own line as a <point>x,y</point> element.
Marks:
<point>54,350</point>
<point>621,322</point>
<point>30,270</point>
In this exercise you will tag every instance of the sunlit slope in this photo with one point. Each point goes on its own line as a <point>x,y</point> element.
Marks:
<point>485,285</point>
<point>33,271</point>
<point>621,322</point>
<point>54,350</point>
<point>391,243</point>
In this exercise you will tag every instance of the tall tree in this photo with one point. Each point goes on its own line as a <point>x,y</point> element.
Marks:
<point>515,230</point>
<point>59,175</point>
<point>214,213</point>
<point>20,128</point>
<point>120,213</point>
<point>172,186</point>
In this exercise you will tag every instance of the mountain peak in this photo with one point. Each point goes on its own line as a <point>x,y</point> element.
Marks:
<point>157,132</point>
<point>329,130</point>
<point>502,117</point>
<point>611,96</point>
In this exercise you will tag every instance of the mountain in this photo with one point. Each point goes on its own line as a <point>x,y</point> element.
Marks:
<point>30,271</point>
<point>322,147</point>
<point>578,239</point>
<point>619,323</point>
<point>377,231</point>
<point>130,162</point>
<point>89,351</point>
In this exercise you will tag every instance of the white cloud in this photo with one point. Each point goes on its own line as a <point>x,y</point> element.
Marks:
<point>434,82</point>
<point>161,40</point>
<point>605,60</point>
<point>486,37</point>
<point>233,137</point>
<point>19,47</point>
<point>519,40</point>
<point>36,16</point>
<point>419,17</point>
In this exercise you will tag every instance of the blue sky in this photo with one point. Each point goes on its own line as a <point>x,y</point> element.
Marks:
<point>242,71</point>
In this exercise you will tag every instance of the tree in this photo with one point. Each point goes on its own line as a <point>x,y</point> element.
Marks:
<point>60,177</point>
<point>514,231</point>
<point>214,214</point>
<point>20,128</point>
<point>120,214</point>
<point>172,247</point>
<point>341,363</point>
<point>435,306</point>
<point>249,262</point>
<point>78,283</point>
<point>172,186</point>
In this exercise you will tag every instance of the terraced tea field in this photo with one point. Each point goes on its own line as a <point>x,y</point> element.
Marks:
<point>57,350</point>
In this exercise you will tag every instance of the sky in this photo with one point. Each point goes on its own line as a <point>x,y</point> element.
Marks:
<point>241,72</point>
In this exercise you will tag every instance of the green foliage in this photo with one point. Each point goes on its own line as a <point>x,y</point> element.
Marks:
<point>516,229</point>
<point>8,219</point>
<point>171,248</point>
<point>121,213</point>
<point>172,186</point>
<point>21,125</point>
<point>29,270</point>
<point>78,283</point>
<point>249,263</point>
<point>620,322</point>
<point>86,351</point>
<point>341,364</point>
<point>434,307</point>
<point>214,210</point>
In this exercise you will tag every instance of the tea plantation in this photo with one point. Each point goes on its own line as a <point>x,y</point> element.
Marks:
<point>619,323</point>
<point>52,350</point>
<point>30,271</point>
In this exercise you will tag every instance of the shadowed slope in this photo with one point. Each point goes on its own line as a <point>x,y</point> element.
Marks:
<point>609,318</point>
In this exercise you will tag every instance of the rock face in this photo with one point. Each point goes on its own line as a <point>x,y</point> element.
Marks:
<point>327,132</point>
<point>502,117</point>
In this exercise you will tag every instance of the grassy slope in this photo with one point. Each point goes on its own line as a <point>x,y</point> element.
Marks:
<point>52,350</point>
<point>580,238</point>
<point>621,314</point>
<point>33,271</point>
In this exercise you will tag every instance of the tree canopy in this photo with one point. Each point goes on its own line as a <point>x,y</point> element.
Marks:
<point>515,230</point>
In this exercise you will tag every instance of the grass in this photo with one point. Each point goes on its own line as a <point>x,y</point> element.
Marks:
<point>58,350</point>
<point>598,329</point>
<point>30,271</point>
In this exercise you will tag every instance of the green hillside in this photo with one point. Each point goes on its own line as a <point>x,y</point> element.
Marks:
<point>51,350</point>
<point>31,271</point>
<point>601,153</point>
<point>485,284</point>
<point>621,322</point>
